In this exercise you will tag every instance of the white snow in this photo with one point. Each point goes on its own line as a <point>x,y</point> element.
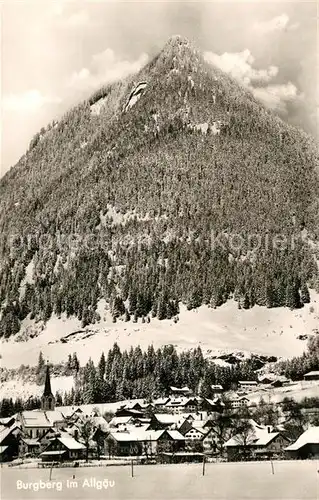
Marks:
<point>18,387</point>
<point>259,330</point>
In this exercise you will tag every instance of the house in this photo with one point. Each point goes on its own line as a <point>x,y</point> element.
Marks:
<point>141,442</point>
<point>259,441</point>
<point>64,447</point>
<point>239,402</point>
<point>29,446</point>
<point>194,439</point>
<point>9,441</point>
<point>120,422</point>
<point>212,405</point>
<point>177,405</point>
<point>129,412</point>
<point>160,403</point>
<point>280,381</point>
<point>180,391</point>
<point>306,446</point>
<point>314,375</point>
<point>266,379</point>
<point>216,389</point>
<point>247,385</point>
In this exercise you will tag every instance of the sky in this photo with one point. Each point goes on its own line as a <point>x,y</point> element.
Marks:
<point>54,53</point>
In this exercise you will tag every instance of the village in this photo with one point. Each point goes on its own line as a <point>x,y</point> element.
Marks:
<point>181,427</point>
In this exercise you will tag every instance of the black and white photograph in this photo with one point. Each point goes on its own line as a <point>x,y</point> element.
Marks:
<point>159,250</point>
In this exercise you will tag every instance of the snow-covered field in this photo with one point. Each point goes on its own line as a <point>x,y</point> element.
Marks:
<point>295,390</point>
<point>259,330</point>
<point>292,480</point>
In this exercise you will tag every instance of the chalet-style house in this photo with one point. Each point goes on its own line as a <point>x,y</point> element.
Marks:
<point>314,375</point>
<point>143,442</point>
<point>239,401</point>
<point>306,446</point>
<point>247,385</point>
<point>64,447</point>
<point>216,389</point>
<point>180,391</point>
<point>9,441</point>
<point>260,441</point>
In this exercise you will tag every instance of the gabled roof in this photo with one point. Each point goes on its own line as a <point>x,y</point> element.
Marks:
<point>180,389</point>
<point>31,442</point>
<point>100,423</point>
<point>259,436</point>
<point>120,420</point>
<point>176,435</point>
<point>197,429</point>
<point>6,431</point>
<point>313,372</point>
<point>310,436</point>
<point>54,416</point>
<point>70,443</point>
<point>35,418</point>
<point>137,435</point>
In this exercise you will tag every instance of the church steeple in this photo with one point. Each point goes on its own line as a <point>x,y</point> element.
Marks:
<point>47,400</point>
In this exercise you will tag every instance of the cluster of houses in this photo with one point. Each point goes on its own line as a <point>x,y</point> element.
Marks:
<point>178,428</point>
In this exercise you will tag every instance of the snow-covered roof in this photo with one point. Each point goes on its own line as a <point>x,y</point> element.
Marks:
<point>145,435</point>
<point>39,418</point>
<point>178,389</point>
<point>160,401</point>
<point>168,418</point>
<point>31,442</point>
<point>101,423</point>
<point>314,372</point>
<point>176,435</point>
<point>259,436</point>
<point>6,431</point>
<point>70,443</point>
<point>35,418</point>
<point>137,435</point>
<point>54,416</point>
<point>310,436</point>
<point>120,420</point>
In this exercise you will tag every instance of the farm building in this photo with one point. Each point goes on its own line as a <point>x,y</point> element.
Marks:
<point>306,446</point>
<point>314,375</point>
<point>259,442</point>
<point>142,442</point>
<point>64,447</point>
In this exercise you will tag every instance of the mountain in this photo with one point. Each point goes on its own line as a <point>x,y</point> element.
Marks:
<point>172,186</point>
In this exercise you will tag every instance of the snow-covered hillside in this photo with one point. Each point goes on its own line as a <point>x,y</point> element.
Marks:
<point>279,332</point>
<point>18,388</point>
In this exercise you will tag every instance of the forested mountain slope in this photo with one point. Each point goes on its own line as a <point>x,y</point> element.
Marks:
<point>154,192</point>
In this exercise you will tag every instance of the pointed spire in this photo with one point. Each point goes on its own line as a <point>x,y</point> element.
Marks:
<point>47,386</point>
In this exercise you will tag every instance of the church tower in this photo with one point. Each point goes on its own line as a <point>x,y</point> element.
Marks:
<point>47,400</point>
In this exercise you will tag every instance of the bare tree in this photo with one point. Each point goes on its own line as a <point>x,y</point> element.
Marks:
<point>86,432</point>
